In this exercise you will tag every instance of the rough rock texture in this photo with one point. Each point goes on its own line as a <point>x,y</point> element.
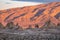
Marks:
<point>32,15</point>
<point>42,22</point>
<point>30,34</point>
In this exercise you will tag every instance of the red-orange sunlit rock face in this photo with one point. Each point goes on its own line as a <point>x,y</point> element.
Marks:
<point>32,15</point>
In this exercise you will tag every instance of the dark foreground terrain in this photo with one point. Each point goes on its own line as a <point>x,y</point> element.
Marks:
<point>30,34</point>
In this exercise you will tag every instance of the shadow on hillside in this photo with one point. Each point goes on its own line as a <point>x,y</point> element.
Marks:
<point>49,31</point>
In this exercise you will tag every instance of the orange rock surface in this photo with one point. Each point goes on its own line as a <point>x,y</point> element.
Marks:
<point>31,15</point>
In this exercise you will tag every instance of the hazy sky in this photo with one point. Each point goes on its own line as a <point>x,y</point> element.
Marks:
<point>40,0</point>
<point>6,4</point>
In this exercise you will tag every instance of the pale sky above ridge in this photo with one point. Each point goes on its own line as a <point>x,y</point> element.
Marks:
<point>6,4</point>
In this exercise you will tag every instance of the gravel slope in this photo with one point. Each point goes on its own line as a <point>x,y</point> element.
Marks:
<point>30,34</point>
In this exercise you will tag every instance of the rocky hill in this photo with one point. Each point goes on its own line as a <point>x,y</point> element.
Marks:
<point>32,15</point>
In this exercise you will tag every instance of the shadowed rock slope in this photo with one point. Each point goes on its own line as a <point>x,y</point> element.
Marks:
<point>32,15</point>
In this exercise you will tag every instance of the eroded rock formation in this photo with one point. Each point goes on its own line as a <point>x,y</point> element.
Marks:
<point>32,15</point>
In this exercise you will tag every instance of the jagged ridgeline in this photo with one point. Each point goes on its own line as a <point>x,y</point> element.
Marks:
<point>48,25</point>
<point>38,16</point>
<point>10,26</point>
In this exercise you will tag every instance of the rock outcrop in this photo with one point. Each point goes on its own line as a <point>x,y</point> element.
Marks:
<point>32,15</point>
